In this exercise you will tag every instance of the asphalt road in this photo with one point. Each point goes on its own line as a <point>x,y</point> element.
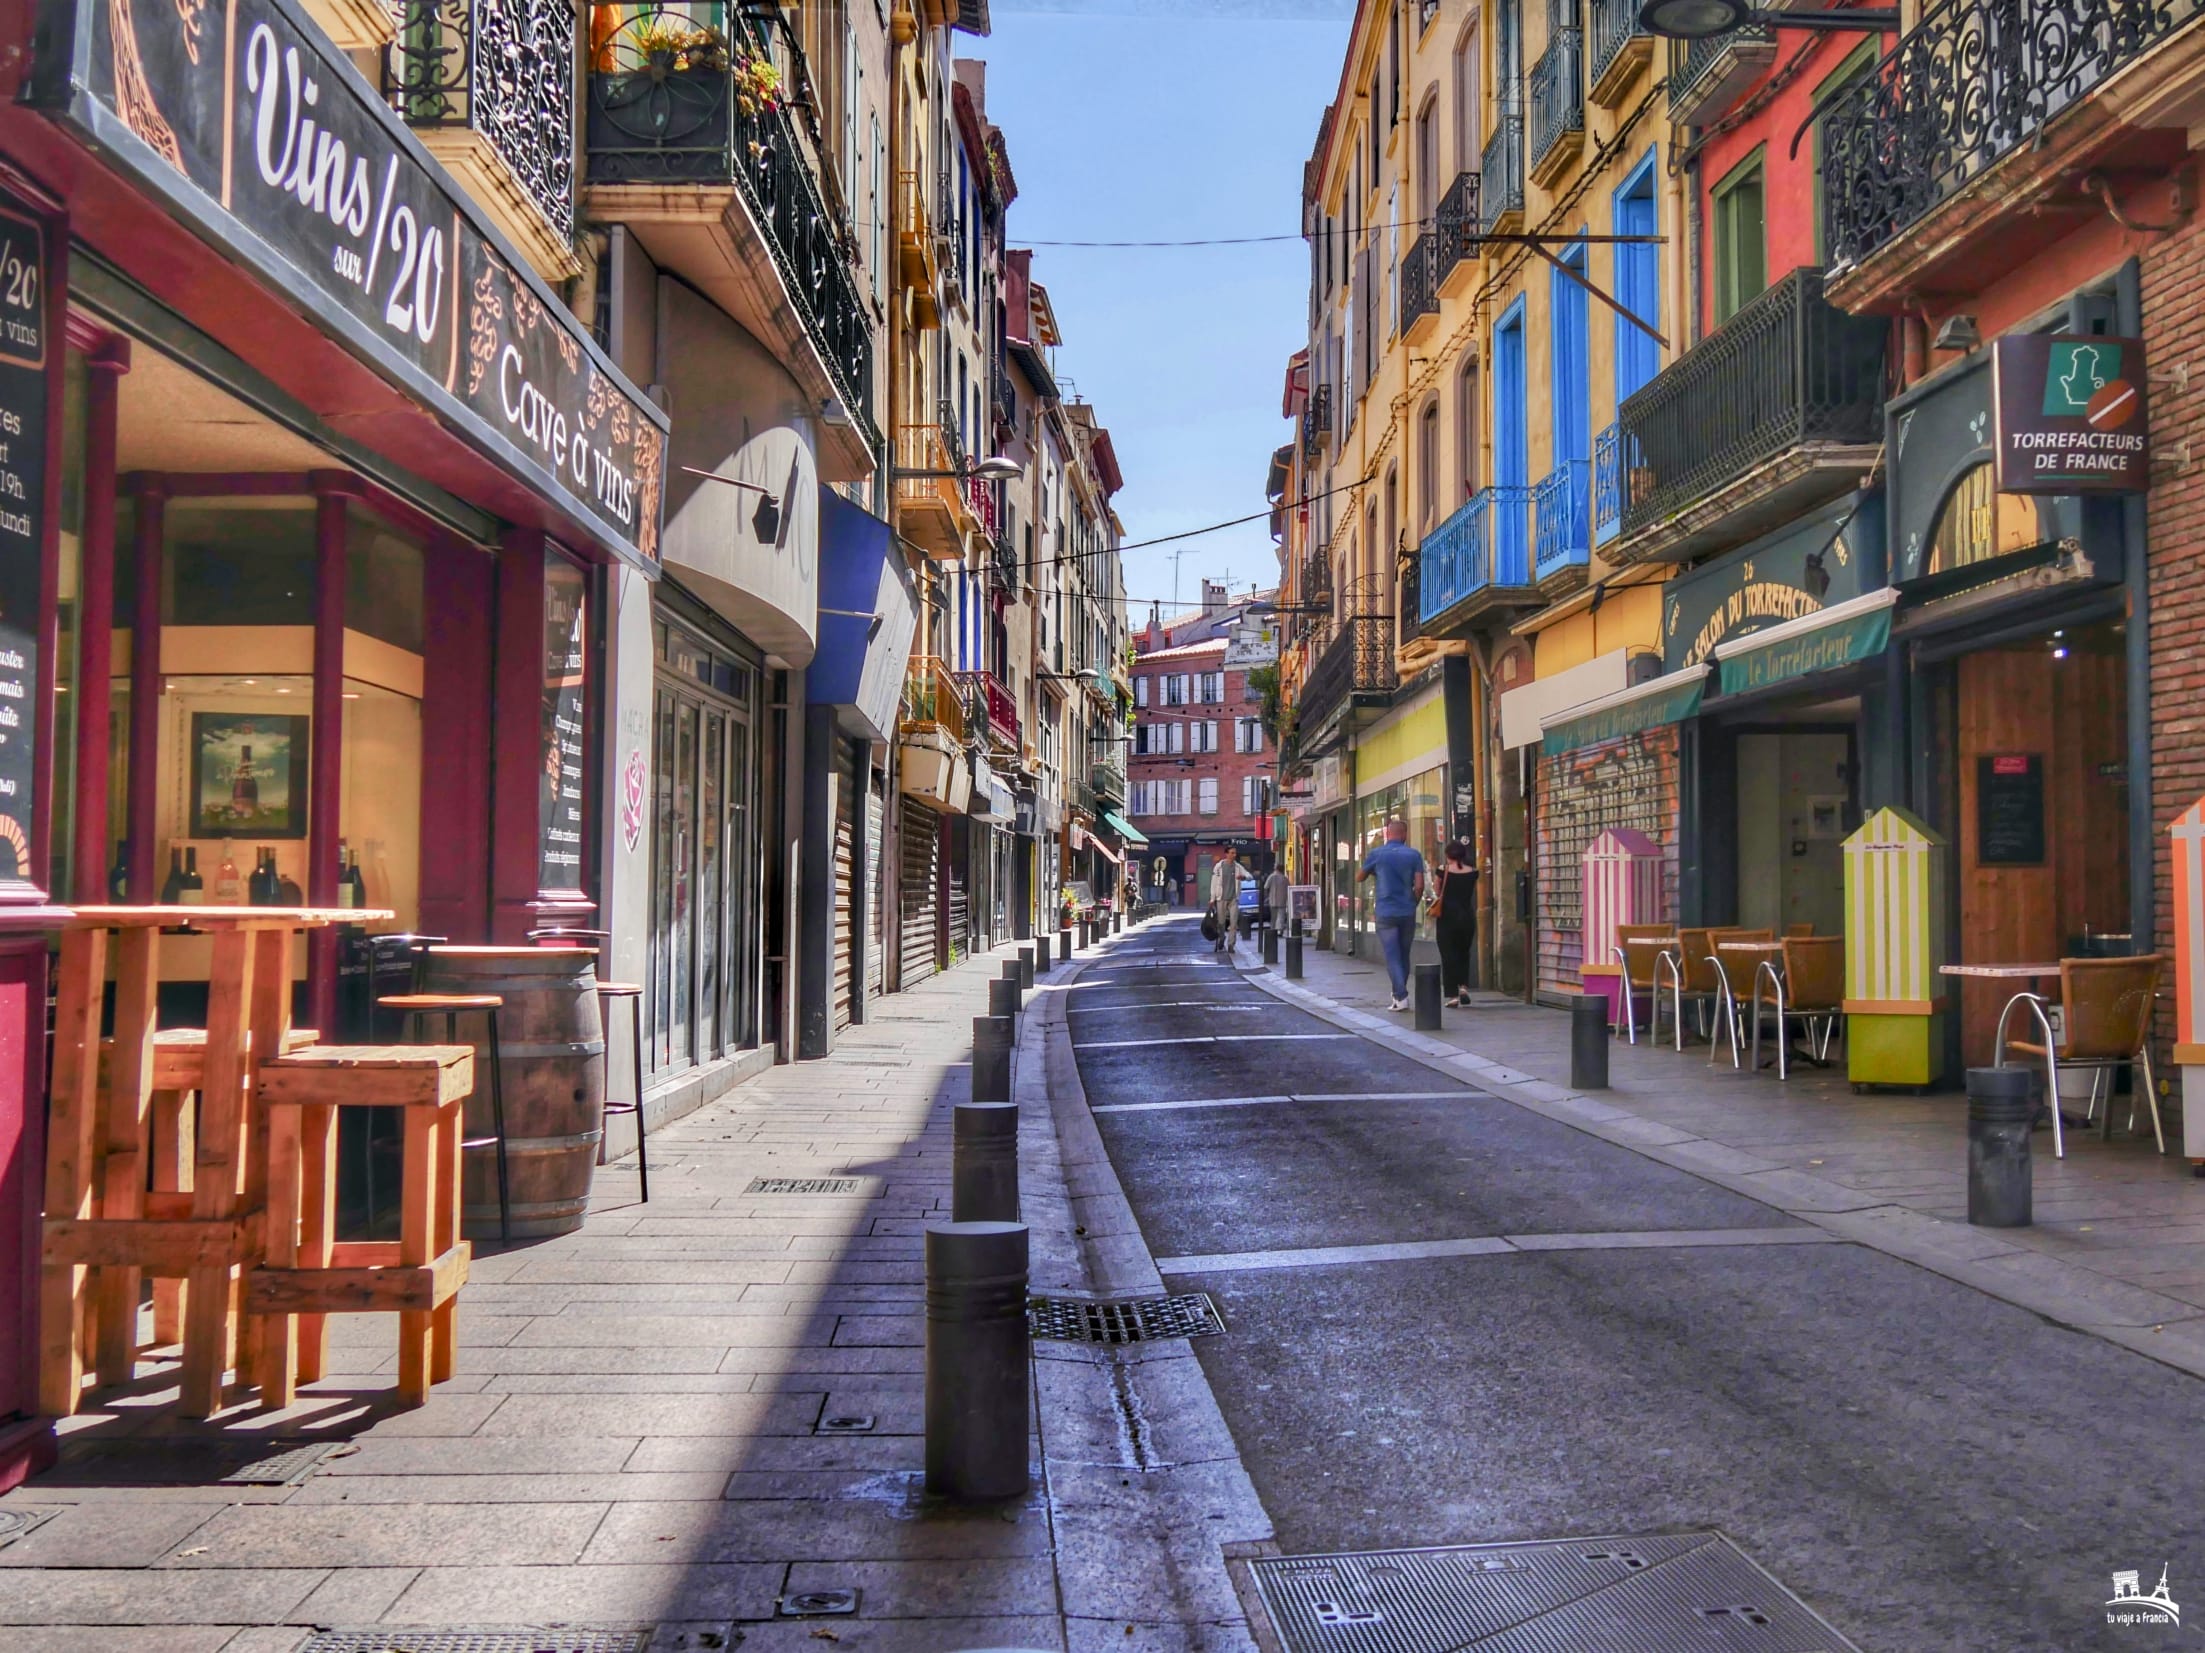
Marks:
<point>1927,1467</point>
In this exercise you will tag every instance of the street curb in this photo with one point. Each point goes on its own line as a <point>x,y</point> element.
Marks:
<point>2164,1329</point>
<point>1145,1485</point>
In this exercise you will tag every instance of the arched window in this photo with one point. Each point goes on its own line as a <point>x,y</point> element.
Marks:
<point>1466,427</point>
<point>1427,468</point>
<point>1977,521</point>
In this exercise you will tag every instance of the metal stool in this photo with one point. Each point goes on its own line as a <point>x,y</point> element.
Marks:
<point>451,1006</point>
<point>607,991</point>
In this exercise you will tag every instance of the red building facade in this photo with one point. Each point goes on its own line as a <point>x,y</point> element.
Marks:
<point>1203,770</point>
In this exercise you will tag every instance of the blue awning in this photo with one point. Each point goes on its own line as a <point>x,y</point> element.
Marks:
<point>868,612</point>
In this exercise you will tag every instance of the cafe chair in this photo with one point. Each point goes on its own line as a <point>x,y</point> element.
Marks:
<point>1687,972</point>
<point>1638,954</point>
<point>1726,985</point>
<point>1809,990</point>
<point>2106,1009</point>
<point>1797,931</point>
<point>608,994</point>
<point>416,1009</point>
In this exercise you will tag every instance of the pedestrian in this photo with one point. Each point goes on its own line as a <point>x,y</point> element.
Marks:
<point>1225,879</point>
<point>1455,909</point>
<point>1173,885</point>
<point>1274,898</point>
<point>1398,870</point>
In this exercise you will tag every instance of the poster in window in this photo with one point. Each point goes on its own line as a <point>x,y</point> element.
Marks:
<point>25,385</point>
<point>559,796</point>
<point>248,775</point>
<point>2009,809</point>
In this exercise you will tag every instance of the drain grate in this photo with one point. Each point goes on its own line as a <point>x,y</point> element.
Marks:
<point>484,1638</point>
<point>158,1461</point>
<point>1666,1593</point>
<point>804,1185</point>
<point>1123,1319</point>
<point>807,1604</point>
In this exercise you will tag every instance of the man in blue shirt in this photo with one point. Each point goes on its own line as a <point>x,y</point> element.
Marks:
<point>1399,872</point>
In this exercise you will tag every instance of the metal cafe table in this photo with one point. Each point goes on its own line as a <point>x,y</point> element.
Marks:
<point>1754,955</point>
<point>112,1214</point>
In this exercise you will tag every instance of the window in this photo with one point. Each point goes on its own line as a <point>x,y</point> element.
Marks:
<point>1467,112</point>
<point>1204,735</point>
<point>1976,521</point>
<point>1427,163</point>
<point>1427,467</point>
<point>1209,795</point>
<point>1175,689</point>
<point>1177,729</point>
<point>1741,238</point>
<point>1466,429</point>
<point>1212,688</point>
<point>1255,794</point>
<point>1140,692</point>
<point>1247,734</point>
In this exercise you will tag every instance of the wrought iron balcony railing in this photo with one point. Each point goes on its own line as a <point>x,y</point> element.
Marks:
<point>1973,81</point>
<point>1484,546</point>
<point>1108,782</point>
<point>1408,606</point>
<point>1786,370</point>
<point>694,113</point>
<point>1608,478</point>
<point>1455,222</point>
<point>1316,578</point>
<point>932,700</point>
<point>1557,93</point>
<point>1003,559</point>
<point>1704,74</point>
<point>1358,661</point>
<point>1317,421</point>
<point>981,495</point>
<point>1501,170</point>
<point>1613,27</point>
<point>1004,395</point>
<point>502,68</point>
<point>1420,280</point>
<point>1562,519</point>
<point>991,715</point>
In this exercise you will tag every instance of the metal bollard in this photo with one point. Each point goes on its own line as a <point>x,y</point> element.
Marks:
<point>1426,994</point>
<point>2001,1108</point>
<point>1294,951</point>
<point>1003,997</point>
<point>984,1163</point>
<point>1026,968</point>
<point>1589,1042</point>
<point>1270,944</point>
<point>1041,953</point>
<point>1064,941</point>
<point>991,1058</point>
<point>978,1354</point>
<point>1016,977</point>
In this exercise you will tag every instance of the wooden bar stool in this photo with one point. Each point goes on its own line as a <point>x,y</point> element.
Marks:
<point>307,1274</point>
<point>607,991</point>
<point>451,1006</point>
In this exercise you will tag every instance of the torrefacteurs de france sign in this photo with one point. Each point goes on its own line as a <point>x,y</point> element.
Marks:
<point>259,134</point>
<point>2071,414</point>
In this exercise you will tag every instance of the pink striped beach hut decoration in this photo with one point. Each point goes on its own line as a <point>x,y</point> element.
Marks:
<point>2188,835</point>
<point>1622,886</point>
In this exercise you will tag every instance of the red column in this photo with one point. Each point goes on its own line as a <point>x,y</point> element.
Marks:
<point>325,782</point>
<point>146,861</point>
<point>96,624</point>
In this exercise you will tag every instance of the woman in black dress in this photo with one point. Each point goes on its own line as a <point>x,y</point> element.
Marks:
<point>1455,903</point>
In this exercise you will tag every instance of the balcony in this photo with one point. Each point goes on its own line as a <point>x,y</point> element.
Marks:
<point>1617,49</point>
<point>1557,106</point>
<point>485,84</point>
<point>1477,561</point>
<point>1455,232</point>
<point>692,148</point>
<point>1356,668</point>
<point>1003,396</point>
<point>2015,88</point>
<point>1316,421</point>
<point>1501,176</point>
<point>917,271</point>
<point>981,498</point>
<point>1003,563</point>
<point>1108,782</point>
<point>1420,284</point>
<point>1561,510</point>
<point>932,701</point>
<point>1706,77</point>
<point>932,512</point>
<point>1774,412</point>
<point>990,713</point>
<point>1608,472</point>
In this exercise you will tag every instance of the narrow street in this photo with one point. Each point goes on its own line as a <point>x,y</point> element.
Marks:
<point>1534,1333</point>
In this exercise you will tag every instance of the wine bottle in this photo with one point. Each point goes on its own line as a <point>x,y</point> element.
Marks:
<point>228,888</point>
<point>357,883</point>
<point>264,878</point>
<point>344,876</point>
<point>172,891</point>
<point>245,786</point>
<point>194,892</point>
<point>118,876</point>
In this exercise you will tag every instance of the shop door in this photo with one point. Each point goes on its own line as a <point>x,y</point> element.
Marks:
<point>921,910</point>
<point>1795,806</point>
<point>876,914</point>
<point>960,906</point>
<point>846,894</point>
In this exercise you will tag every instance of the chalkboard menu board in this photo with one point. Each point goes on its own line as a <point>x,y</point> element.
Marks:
<point>2009,809</point>
<point>559,846</point>
<point>24,387</point>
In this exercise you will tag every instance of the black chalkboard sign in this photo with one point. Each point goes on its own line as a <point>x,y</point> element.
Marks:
<point>24,387</point>
<point>2009,809</point>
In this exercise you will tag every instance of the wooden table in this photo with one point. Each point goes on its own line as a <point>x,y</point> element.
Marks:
<point>2000,972</point>
<point>98,1232</point>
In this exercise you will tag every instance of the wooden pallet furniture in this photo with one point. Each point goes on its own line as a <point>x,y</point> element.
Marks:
<point>306,1274</point>
<point>102,1232</point>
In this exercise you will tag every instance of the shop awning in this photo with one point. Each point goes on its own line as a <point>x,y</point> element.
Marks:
<point>1669,698</point>
<point>1116,857</point>
<point>1841,635</point>
<point>1124,829</point>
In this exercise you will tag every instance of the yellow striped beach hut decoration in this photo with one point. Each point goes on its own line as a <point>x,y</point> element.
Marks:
<point>1894,941</point>
<point>2187,835</point>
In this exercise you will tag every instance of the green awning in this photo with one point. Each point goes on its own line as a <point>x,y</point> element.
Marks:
<point>1670,698</point>
<point>1837,637</point>
<point>1124,829</point>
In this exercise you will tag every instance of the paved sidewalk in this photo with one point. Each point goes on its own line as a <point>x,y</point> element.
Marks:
<point>2118,1245</point>
<point>689,1414</point>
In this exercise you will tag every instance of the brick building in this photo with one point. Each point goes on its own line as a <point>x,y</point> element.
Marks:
<point>1202,769</point>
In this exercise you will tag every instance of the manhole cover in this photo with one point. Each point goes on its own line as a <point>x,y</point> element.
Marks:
<point>805,1604</point>
<point>155,1461</point>
<point>1670,1593</point>
<point>845,1423</point>
<point>16,1520</point>
<point>804,1185</point>
<point>1124,1319</point>
<point>471,1638</point>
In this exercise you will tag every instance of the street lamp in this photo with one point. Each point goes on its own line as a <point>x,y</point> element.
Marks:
<point>1705,19</point>
<point>996,469</point>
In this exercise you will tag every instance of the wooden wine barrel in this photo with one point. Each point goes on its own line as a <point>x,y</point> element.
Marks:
<point>551,1042</point>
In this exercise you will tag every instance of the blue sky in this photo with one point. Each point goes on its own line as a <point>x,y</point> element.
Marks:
<point>1148,120</point>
